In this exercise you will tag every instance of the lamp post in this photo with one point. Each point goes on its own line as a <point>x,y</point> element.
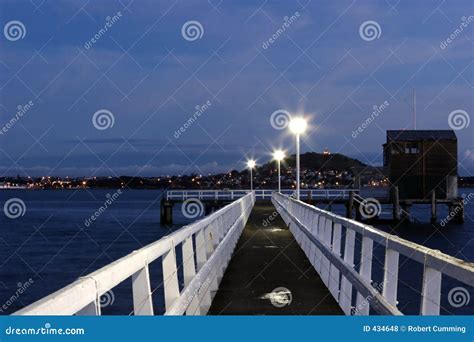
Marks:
<point>279,155</point>
<point>251,164</point>
<point>297,127</point>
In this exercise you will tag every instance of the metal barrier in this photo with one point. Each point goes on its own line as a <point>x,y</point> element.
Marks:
<point>214,237</point>
<point>261,194</point>
<point>319,233</point>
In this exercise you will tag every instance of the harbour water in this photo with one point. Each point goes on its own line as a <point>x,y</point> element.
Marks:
<point>56,241</point>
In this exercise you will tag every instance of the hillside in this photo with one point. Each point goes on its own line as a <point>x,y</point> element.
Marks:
<point>318,161</point>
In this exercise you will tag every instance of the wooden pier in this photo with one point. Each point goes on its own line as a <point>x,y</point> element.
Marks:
<point>250,257</point>
<point>212,200</point>
<point>266,260</point>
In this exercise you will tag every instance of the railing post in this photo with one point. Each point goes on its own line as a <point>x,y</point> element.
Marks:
<point>326,264</point>
<point>142,299</point>
<point>170,277</point>
<point>92,309</point>
<point>362,304</point>
<point>189,269</point>
<point>431,293</point>
<point>345,297</point>
<point>320,256</point>
<point>334,272</point>
<point>314,231</point>
<point>201,254</point>
<point>390,278</point>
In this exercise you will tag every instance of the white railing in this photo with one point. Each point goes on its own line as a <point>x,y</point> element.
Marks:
<point>261,194</point>
<point>319,234</point>
<point>214,238</point>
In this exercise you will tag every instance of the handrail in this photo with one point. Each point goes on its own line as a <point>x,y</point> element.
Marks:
<point>319,233</point>
<point>214,238</point>
<point>259,194</point>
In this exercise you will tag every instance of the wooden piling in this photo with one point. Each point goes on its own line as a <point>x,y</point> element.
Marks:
<point>396,204</point>
<point>456,211</point>
<point>350,205</point>
<point>433,207</point>
<point>166,212</point>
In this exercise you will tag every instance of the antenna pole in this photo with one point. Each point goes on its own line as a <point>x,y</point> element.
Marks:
<point>414,109</point>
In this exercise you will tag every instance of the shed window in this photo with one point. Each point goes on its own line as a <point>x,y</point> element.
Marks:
<point>396,148</point>
<point>412,148</point>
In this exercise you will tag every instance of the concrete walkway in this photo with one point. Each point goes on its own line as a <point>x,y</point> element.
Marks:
<point>267,257</point>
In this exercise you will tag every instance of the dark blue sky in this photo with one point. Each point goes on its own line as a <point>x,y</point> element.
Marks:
<point>151,79</point>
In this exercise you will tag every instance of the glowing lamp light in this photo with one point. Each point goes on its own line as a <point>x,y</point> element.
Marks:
<point>251,163</point>
<point>298,125</point>
<point>279,155</point>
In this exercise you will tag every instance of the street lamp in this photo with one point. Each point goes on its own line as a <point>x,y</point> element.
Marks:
<point>279,155</point>
<point>297,127</point>
<point>251,164</point>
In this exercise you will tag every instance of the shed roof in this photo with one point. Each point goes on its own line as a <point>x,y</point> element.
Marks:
<point>417,135</point>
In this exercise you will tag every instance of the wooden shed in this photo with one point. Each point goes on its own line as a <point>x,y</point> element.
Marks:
<point>420,161</point>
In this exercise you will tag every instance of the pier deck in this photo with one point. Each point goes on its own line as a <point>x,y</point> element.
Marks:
<point>267,257</point>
